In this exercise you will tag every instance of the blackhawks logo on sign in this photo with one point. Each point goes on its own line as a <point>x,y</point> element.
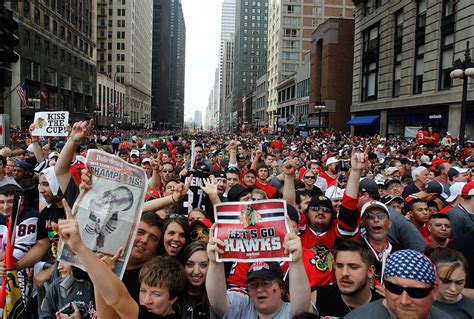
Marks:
<point>249,216</point>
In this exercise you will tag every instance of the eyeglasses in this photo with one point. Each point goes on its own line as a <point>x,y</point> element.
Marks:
<point>380,216</point>
<point>178,156</point>
<point>322,208</point>
<point>200,233</point>
<point>199,151</point>
<point>413,292</point>
<point>310,177</point>
<point>253,285</point>
<point>167,171</point>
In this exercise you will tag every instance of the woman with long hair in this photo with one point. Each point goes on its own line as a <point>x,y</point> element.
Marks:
<point>452,275</point>
<point>195,261</point>
<point>175,236</point>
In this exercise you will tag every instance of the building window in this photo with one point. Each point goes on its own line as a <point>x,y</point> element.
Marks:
<point>446,64</point>
<point>37,43</point>
<point>46,22</point>
<point>37,16</point>
<point>448,7</point>
<point>370,60</point>
<point>26,8</point>
<point>419,69</point>
<point>399,25</point>
<point>397,74</point>
<point>421,14</point>
<point>291,33</point>
<point>370,6</point>
<point>55,27</point>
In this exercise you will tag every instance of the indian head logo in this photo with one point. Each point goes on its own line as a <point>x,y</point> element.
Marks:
<point>249,216</point>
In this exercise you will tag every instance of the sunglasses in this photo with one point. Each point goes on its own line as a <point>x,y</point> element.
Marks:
<point>310,177</point>
<point>322,208</point>
<point>253,285</point>
<point>175,216</point>
<point>380,216</point>
<point>167,171</point>
<point>200,233</point>
<point>413,292</point>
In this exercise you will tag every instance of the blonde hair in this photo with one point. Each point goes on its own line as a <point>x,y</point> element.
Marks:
<point>6,152</point>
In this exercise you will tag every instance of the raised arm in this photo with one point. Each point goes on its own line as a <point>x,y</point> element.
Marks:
<point>289,173</point>
<point>80,130</point>
<point>232,153</point>
<point>215,281</point>
<point>109,285</point>
<point>300,291</point>
<point>359,162</point>
<point>37,150</point>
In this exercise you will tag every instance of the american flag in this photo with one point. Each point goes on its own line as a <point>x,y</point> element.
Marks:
<point>20,90</point>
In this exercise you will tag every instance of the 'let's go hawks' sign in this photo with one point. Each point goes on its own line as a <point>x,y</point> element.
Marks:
<point>252,231</point>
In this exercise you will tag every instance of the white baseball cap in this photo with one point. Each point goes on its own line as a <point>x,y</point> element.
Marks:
<point>332,160</point>
<point>334,192</point>
<point>371,204</point>
<point>455,191</point>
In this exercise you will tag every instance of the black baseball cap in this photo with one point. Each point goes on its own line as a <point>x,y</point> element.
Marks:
<point>265,271</point>
<point>369,186</point>
<point>320,200</point>
<point>392,180</point>
<point>236,192</point>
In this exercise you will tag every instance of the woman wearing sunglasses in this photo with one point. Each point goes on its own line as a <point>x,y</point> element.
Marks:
<point>195,261</point>
<point>452,273</point>
<point>199,230</point>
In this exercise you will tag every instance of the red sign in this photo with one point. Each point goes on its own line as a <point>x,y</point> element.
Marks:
<point>252,231</point>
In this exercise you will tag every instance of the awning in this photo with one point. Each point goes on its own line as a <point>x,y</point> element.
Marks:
<point>365,120</point>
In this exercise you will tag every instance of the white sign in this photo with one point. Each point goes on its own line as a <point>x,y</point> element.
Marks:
<point>410,131</point>
<point>50,123</point>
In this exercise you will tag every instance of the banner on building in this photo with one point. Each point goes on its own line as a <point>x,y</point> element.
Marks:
<point>4,129</point>
<point>50,123</point>
<point>252,231</point>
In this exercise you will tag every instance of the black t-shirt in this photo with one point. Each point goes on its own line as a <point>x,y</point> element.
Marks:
<point>194,309</point>
<point>144,314</point>
<point>330,304</point>
<point>51,215</point>
<point>130,280</point>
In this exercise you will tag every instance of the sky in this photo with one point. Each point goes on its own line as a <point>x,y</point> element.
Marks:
<point>202,18</point>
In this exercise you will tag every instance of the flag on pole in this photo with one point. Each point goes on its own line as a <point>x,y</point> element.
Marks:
<point>11,301</point>
<point>45,95</point>
<point>20,90</point>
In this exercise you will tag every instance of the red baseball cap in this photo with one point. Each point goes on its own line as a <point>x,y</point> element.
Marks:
<point>205,222</point>
<point>468,189</point>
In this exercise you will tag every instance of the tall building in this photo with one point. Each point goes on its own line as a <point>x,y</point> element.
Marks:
<point>227,31</point>
<point>404,53</point>
<point>212,110</point>
<point>250,51</point>
<point>161,63</point>
<point>198,119</point>
<point>227,84</point>
<point>57,67</point>
<point>169,45</point>
<point>178,56</point>
<point>124,53</point>
<point>289,37</point>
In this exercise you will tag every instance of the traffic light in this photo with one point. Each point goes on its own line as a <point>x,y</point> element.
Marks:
<point>8,36</point>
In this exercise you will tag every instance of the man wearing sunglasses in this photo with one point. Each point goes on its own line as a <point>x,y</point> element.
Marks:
<point>376,221</point>
<point>410,288</point>
<point>199,230</point>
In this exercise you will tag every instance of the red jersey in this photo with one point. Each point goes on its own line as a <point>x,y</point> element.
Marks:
<point>345,226</point>
<point>316,278</point>
<point>268,189</point>
<point>329,179</point>
<point>420,137</point>
<point>445,209</point>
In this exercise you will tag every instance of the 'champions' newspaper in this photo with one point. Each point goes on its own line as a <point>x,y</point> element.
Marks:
<point>108,215</point>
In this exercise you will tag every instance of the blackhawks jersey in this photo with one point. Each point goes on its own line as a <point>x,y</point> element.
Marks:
<point>344,226</point>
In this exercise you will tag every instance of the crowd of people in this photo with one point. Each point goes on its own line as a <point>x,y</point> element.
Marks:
<point>379,227</point>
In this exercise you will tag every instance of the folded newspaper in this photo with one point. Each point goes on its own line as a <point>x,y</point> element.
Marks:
<point>109,213</point>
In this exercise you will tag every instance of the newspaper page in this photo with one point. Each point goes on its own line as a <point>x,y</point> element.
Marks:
<point>252,231</point>
<point>108,215</point>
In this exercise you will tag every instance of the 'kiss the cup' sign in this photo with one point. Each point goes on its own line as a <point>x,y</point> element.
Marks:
<point>50,124</point>
<point>252,231</point>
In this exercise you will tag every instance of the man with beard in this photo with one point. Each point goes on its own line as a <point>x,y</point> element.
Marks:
<point>410,288</point>
<point>376,221</point>
<point>354,265</point>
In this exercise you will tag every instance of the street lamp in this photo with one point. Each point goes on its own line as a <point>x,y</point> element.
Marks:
<point>462,70</point>
<point>115,93</point>
<point>257,119</point>
<point>320,106</point>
